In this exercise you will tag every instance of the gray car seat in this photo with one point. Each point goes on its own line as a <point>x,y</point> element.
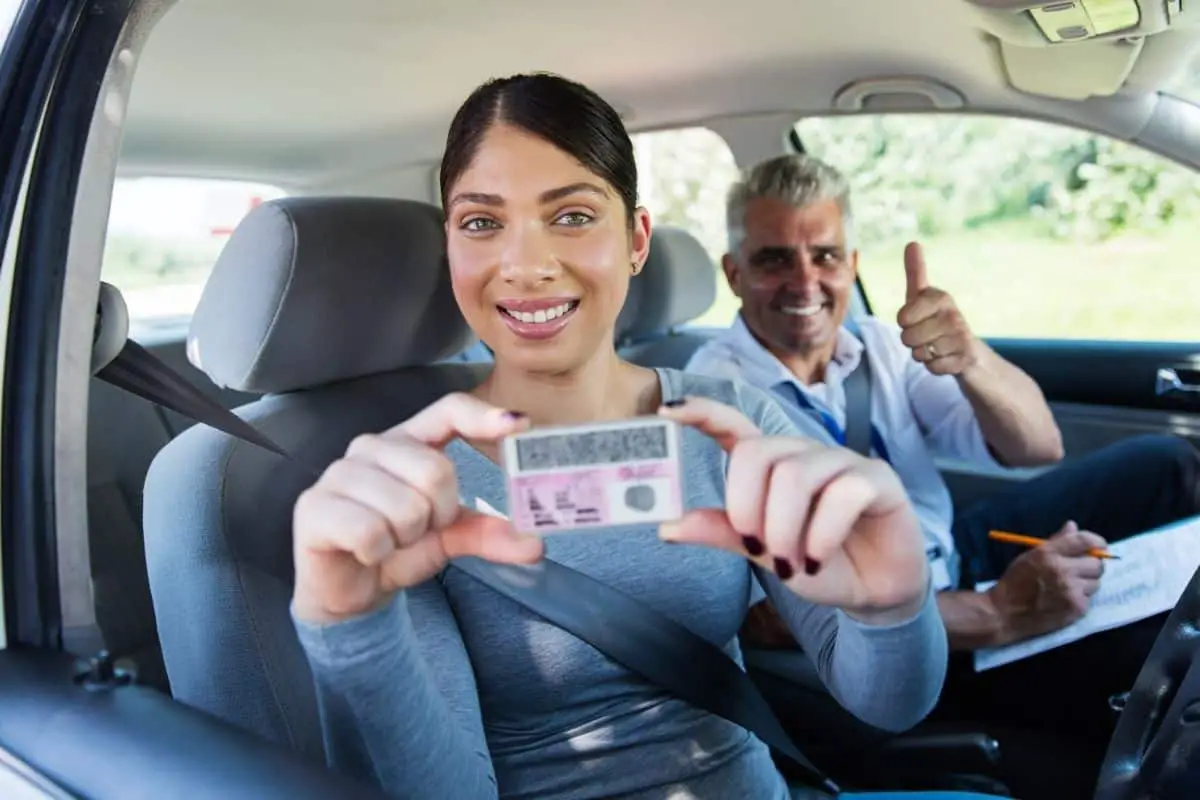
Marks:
<point>327,307</point>
<point>678,284</point>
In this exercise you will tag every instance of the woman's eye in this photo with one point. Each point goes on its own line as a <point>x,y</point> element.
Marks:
<point>478,224</point>
<point>575,218</point>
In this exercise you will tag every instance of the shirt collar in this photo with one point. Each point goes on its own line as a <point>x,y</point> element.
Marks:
<point>761,367</point>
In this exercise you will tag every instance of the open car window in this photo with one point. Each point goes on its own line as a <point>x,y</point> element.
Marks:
<point>684,176</point>
<point>164,236</point>
<point>1039,231</point>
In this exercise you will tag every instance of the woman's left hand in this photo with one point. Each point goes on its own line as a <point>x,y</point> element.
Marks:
<point>836,527</point>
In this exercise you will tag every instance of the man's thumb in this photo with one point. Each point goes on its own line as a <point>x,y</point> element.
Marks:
<point>914,270</point>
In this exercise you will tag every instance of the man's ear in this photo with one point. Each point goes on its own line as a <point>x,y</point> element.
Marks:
<point>733,273</point>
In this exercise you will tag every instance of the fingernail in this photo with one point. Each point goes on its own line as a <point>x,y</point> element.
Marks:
<point>753,546</point>
<point>811,566</point>
<point>515,416</point>
<point>668,531</point>
<point>675,402</point>
<point>783,569</point>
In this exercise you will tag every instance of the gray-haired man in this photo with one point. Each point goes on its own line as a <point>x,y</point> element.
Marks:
<point>938,390</point>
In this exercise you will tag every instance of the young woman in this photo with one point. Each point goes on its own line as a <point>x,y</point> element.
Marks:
<point>436,687</point>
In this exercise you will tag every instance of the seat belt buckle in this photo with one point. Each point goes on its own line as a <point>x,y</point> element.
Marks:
<point>581,477</point>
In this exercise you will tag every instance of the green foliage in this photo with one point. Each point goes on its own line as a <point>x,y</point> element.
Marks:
<point>923,175</point>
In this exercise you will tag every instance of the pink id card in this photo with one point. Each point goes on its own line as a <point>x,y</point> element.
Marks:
<point>593,476</point>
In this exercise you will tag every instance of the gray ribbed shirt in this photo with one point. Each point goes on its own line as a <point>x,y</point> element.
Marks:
<point>452,691</point>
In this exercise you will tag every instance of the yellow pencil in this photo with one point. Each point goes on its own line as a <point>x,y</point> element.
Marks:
<point>1033,541</point>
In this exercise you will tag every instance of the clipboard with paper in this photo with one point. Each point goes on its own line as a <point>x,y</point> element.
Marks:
<point>1154,569</point>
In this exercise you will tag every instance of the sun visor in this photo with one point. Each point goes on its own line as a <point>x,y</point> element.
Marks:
<point>1076,49</point>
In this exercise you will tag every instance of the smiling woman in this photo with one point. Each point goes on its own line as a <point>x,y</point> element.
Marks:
<point>543,233</point>
<point>510,233</point>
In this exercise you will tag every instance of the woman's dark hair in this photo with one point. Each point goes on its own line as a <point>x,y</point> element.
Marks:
<point>566,114</point>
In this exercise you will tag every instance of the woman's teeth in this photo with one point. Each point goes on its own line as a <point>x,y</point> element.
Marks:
<point>803,311</point>
<point>541,315</point>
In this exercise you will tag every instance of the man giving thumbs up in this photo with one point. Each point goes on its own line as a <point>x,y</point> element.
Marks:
<point>938,391</point>
<point>1009,407</point>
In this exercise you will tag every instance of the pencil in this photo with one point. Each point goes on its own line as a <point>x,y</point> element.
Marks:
<point>1033,541</point>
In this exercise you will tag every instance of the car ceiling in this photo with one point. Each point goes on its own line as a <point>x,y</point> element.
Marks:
<point>294,89</point>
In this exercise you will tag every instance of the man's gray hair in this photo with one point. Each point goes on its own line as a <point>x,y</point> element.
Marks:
<point>798,180</point>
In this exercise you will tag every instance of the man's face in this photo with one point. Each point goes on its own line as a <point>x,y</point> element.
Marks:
<point>793,275</point>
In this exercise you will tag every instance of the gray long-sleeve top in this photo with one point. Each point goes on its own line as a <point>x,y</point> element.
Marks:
<point>452,691</point>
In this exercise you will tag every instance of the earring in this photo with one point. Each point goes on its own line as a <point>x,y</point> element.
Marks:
<point>636,268</point>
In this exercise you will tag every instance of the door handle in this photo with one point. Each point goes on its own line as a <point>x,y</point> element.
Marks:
<point>1167,381</point>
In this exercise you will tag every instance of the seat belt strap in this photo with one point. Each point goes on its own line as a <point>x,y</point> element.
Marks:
<point>658,648</point>
<point>662,651</point>
<point>857,386</point>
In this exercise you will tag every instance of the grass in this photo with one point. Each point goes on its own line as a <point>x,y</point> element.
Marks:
<point>1010,282</point>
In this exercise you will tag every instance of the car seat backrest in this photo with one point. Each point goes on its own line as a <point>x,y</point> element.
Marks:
<point>678,284</point>
<point>327,307</point>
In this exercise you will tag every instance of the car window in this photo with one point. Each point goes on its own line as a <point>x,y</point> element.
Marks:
<point>164,236</point>
<point>683,176</point>
<point>1037,230</point>
<point>8,13</point>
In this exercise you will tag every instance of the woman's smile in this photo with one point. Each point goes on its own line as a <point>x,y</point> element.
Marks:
<point>539,319</point>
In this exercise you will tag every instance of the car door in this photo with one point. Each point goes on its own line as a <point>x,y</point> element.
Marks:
<point>73,723</point>
<point>1068,251</point>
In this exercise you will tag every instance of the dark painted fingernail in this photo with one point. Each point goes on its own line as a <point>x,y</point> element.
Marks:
<point>783,569</point>
<point>515,416</point>
<point>753,546</point>
<point>811,566</point>
<point>675,402</point>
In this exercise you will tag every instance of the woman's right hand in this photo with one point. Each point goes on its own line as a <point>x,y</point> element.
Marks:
<point>387,515</point>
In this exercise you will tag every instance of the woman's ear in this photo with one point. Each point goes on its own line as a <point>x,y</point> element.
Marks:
<point>639,244</point>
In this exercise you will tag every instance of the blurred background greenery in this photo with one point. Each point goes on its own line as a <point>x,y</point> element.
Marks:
<point>1038,230</point>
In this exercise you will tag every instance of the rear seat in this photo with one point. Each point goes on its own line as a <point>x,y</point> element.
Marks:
<point>678,284</point>
<point>125,432</point>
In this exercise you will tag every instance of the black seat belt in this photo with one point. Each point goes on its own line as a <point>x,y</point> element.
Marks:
<point>628,631</point>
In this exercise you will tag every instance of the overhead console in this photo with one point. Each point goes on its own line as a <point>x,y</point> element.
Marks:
<point>1075,49</point>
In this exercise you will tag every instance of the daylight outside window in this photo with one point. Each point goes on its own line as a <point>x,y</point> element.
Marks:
<point>1039,230</point>
<point>8,13</point>
<point>164,237</point>
<point>684,176</point>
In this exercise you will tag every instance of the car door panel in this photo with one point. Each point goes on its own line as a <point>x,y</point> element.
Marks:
<point>1100,393</point>
<point>101,739</point>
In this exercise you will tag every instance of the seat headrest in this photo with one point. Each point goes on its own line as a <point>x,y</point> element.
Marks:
<point>678,284</point>
<point>310,291</point>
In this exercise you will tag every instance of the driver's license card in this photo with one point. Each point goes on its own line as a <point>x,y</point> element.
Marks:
<point>567,478</point>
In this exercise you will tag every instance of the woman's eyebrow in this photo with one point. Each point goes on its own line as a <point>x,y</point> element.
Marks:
<point>550,195</point>
<point>477,197</point>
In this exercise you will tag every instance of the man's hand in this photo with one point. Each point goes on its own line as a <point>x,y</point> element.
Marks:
<point>931,324</point>
<point>1048,587</point>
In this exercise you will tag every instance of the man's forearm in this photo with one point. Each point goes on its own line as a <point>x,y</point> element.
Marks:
<point>972,621</point>
<point>1016,421</point>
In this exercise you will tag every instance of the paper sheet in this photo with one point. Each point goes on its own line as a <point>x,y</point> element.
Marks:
<point>1154,569</point>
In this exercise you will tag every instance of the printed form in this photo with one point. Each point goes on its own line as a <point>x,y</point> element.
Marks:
<point>1154,569</point>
